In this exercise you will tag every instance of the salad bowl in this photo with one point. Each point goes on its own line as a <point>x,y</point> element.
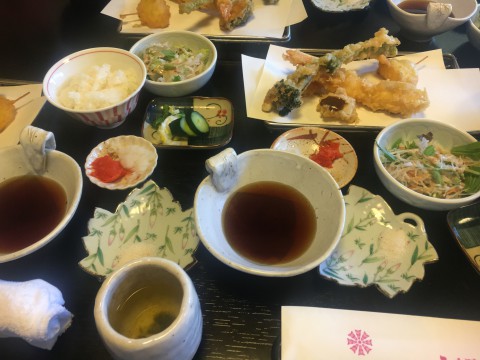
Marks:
<point>433,140</point>
<point>178,39</point>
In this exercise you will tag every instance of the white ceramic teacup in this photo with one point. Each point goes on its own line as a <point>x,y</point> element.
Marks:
<point>149,309</point>
<point>422,27</point>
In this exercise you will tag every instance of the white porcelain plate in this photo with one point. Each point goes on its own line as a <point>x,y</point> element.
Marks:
<point>308,141</point>
<point>378,247</point>
<point>148,223</point>
<point>135,154</point>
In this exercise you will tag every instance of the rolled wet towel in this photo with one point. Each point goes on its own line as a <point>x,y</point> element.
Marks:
<point>33,310</point>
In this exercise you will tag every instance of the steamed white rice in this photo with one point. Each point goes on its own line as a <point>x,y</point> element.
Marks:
<point>97,87</point>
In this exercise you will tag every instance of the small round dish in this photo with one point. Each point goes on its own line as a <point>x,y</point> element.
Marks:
<point>135,154</point>
<point>308,141</point>
<point>149,223</point>
<point>335,6</point>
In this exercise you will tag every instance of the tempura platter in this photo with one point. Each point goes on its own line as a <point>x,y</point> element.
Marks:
<point>436,72</point>
<point>206,22</point>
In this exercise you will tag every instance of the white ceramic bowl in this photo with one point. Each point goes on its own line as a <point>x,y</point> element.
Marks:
<point>473,31</point>
<point>446,135</point>
<point>81,61</point>
<point>313,181</point>
<point>61,168</point>
<point>415,26</point>
<point>175,297</point>
<point>188,39</point>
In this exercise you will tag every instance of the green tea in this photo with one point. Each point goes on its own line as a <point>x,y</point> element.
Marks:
<point>149,310</point>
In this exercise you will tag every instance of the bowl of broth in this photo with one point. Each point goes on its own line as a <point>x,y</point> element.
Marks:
<point>420,20</point>
<point>282,215</point>
<point>34,209</point>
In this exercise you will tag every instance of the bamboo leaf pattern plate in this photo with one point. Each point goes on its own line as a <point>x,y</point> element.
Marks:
<point>378,247</point>
<point>149,223</point>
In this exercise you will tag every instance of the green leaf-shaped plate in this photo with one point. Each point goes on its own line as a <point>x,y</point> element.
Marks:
<point>378,247</point>
<point>149,223</point>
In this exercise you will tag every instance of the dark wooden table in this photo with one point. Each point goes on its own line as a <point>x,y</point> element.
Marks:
<point>241,312</point>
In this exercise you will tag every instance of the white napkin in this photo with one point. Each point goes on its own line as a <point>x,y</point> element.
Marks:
<point>33,310</point>
<point>320,333</point>
<point>35,143</point>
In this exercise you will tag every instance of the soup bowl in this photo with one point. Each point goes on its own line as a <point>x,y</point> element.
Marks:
<point>59,167</point>
<point>423,26</point>
<point>229,173</point>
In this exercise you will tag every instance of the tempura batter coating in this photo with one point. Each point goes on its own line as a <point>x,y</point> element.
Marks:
<point>154,13</point>
<point>338,106</point>
<point>397,69</point>
<point>308,67</point>
<point>232,13</point>
<point>7,112</point>
<point>396,97</point>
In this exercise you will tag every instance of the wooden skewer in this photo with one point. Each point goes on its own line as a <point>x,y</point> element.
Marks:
<point>22,96</point>
<point>123,16</point>
<point>419,61</point>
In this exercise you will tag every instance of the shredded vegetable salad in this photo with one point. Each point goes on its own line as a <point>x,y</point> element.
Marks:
<point>171,63</point>
<point>424,166</point>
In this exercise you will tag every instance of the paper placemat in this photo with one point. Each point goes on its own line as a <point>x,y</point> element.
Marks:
<point>284,13</point>
<point>321,333</point>
<point>27,108</point>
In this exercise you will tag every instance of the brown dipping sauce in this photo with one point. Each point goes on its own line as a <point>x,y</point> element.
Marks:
<point>30,207</point>
<point>416,7</point>
<point>269,222</point>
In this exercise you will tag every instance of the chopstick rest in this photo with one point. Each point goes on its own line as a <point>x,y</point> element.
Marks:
<point>33,310</point>
<point>36,143</point>
<point>223,169</point>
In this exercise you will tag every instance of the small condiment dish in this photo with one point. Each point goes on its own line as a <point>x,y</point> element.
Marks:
<point>438,18</point>
<point>229,173</point>
<point>445,135</point>
<point>312,141</point>
<point>149,309</point>
<point>186,39</point>
<point>81,63</point>
<point>58,167</point>
<point>133,155</point>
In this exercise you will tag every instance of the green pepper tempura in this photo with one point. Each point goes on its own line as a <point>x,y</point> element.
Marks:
<point>171,63</point>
